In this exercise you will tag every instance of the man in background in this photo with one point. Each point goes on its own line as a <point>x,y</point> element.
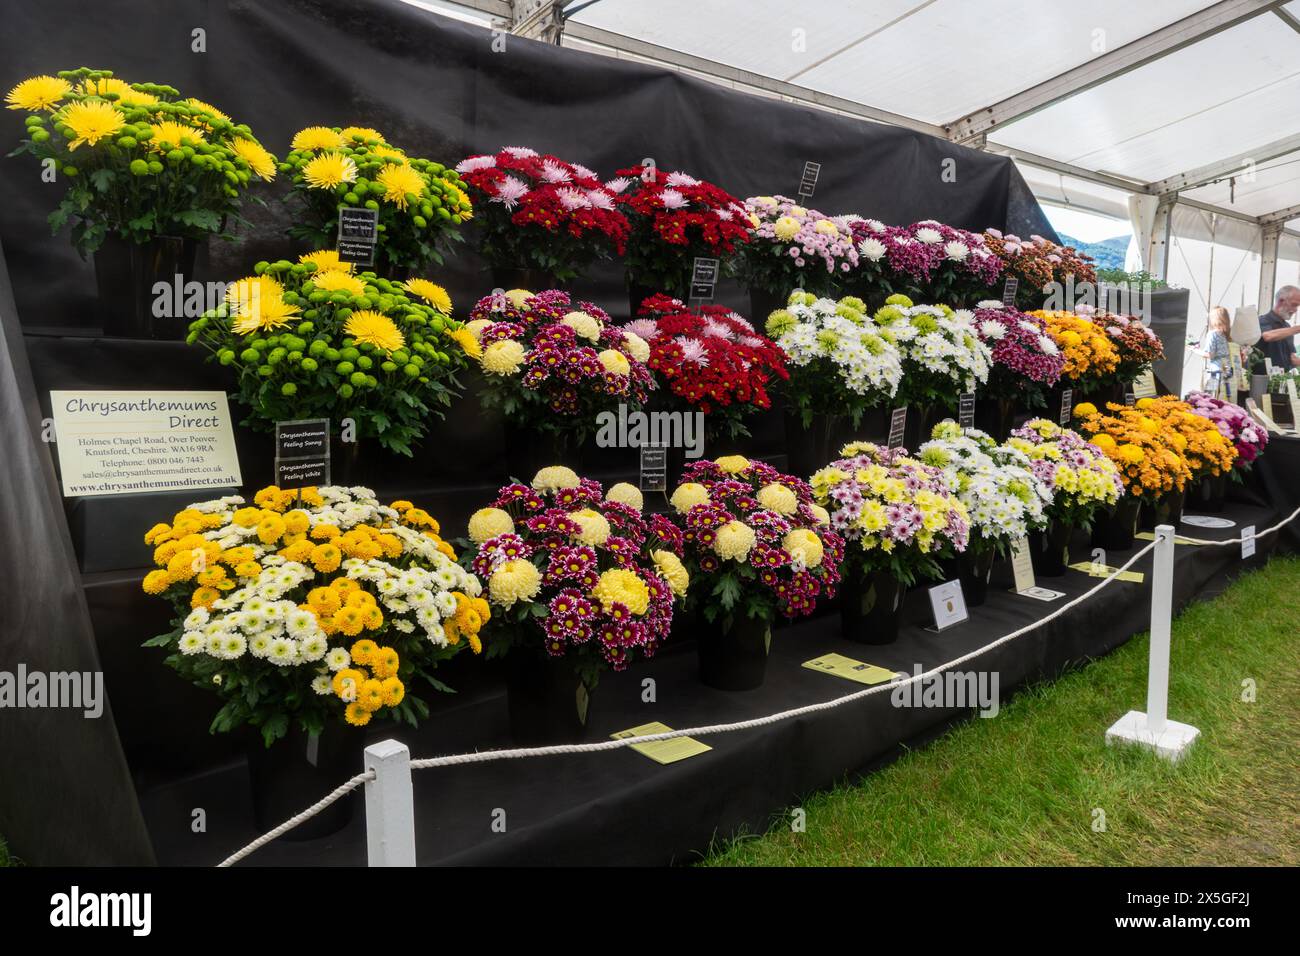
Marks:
<point>1277,335</point>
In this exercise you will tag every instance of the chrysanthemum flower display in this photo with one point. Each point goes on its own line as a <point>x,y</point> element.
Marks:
<point>676,218</point>
<point>314,339</point>
<point>421,203</point>
<point>839,361</point>
<point>1091,356</point>
<point>311,607</point>
<point>711,359</point>
<point>541,212</point>
<point>572,571</point>
<point>137,160</point>
<point>553,364</point>
<point>942,352</point>
<point>1003,495</point>
<point>896,513</point>
<point>795,247</point>
<point>755,542</point>
<point>926,261</point>
<point>1234,423</point>
<point>1037,263</point>
<point>1026,360</point>
<point>1209,453</point>
<point>1078,474</point>
<point>1149,453</point>
<point>1135,343</point>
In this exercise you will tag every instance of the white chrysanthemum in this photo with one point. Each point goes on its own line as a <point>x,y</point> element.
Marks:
<point>337,659</point>
<point>283,651</point>
<point>192,642</point>
<point>322,684</point>
<point>928,236</point>
<point>872,249</point>
<point>445,603</point>
<point>196,618</point>
<point>956,251</point>
<point>313,647</point>
<point>403,625</point>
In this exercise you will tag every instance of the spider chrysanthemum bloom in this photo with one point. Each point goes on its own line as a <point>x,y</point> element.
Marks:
<point>316,137</point>
<point>368,326</point>
<point>431,293</point>
<point>326,260</point>
<point>259,160</point>
<point>264,314</point>
<point>91,122</point>
<point>361,133</point>
<point>208,107</point>
<point>399,181</point>
<point>336,280</point>
<point>169,135</point>
<point>37,93</point>
<point>111,85</point>
<point>329,170</point>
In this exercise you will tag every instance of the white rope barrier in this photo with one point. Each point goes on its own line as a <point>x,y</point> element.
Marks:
<point>488,756</point>
<point>337,793</point>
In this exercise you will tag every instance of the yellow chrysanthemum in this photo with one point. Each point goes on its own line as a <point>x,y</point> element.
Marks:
<point>375,328</point>
<point>517,580</point>
<point>259,160</point>
<point>168,135</point>
<point>1084,409</point>
<point>112,86</point>
<point>91,121</point>
<point>732,464</point>
<point>804,546</point>
<point>326,260</point>
<point>329,170</point>
<point>400,181</point>
<point>361,133</point>
<point>37,93</point>
<point>430,292</point>
<point>672,570</point>
<point>385,662</point>
<point>622,586</point>
<point>356,715</point>
<point>384,151</point>
<point>777,497</point>
<point>468,344</point>
<point>394,691</point>
<point>626,494</point>
<point>156,582</point>
<point>193,101</point>
<point>336,280</point>
<point>734,541</point>
<point>503,357</point>
<point>316,137</point>
<point>614,362</point>
<point>258,303</point>
<point>488,523</point>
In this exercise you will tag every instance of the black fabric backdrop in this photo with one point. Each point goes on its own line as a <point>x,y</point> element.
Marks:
<point>437,89</point>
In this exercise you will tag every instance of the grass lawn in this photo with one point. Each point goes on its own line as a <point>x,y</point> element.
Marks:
<point>1022,788</point>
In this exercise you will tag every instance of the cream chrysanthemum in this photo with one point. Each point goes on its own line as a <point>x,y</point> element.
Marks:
<point>688,495</point>
<point>583,324</point>
<point>375,328</point>
<point>329,170</point>
<point>503,357</point>
<point>488,523</point>
<point>777,497</point>
<point>672,570</point>
<point>734,541</point>
<point>593,527</point>
<point>554,478</point>
<point>624,587</point>
<point>636,346</point>
<point>821,514</point>
<point>517,580</point>
<point>431,293</point>
<point>626,494</point>
<point>37,93</point>
<point>804,546</point>
<point>614,362</point>
<point>518,298</point>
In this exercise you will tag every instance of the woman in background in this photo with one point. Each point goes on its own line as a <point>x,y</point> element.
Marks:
<point>1215,350</point>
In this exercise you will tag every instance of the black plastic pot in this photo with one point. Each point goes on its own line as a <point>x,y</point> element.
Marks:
<point>1168,510</point>
<point>125,275</point>
<point>1209,494</point>
<point>763,303</point>
<point>1281,404</point>
<point>530,449</point>
<point>921,420</point>
<point>996,416</point>
<point>973,570</point>
<point>733,658</point>
<point>871,607</point>
<point>1114,529</point>
<point>547,700</point>
<point>296,771</point>
<point>1050,549</point>
<point>808,449</point>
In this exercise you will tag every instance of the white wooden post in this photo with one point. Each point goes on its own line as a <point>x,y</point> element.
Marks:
<point>1154,730</point>
<point>390,808</point>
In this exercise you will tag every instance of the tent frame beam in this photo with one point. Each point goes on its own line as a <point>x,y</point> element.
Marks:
<point>1243,163</point>
<point>1107,66</point>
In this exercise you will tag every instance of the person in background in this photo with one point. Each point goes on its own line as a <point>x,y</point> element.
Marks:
<point>1277,335</point>
<point>1215,349</point>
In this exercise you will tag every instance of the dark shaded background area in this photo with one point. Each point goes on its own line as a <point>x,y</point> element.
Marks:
<point>68,787</point>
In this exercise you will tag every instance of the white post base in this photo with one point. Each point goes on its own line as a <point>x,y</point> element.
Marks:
<point>1172,743</point>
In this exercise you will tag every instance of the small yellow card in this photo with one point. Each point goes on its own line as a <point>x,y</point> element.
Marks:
<point>662,751</point>
<point>848,668</point>
<point>1105,570</point>
<point>1178,539</point>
